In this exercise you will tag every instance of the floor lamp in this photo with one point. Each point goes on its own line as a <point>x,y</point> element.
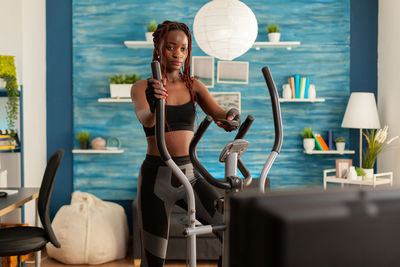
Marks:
<point>361,113</point>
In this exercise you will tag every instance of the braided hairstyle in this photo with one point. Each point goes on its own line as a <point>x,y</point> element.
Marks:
<point>161,33</point>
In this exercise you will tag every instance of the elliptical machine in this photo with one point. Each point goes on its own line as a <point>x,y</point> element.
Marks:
<point>230,155</point>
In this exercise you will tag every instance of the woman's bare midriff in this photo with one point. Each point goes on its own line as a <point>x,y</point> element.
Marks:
<point>177,143</point>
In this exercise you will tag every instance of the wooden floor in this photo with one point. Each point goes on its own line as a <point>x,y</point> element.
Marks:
<point>128,261</point>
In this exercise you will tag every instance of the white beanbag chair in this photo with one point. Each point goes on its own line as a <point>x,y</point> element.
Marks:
<point>90,231</point>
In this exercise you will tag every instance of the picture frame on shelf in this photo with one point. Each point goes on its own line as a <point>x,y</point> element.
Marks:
<point>342,167</point>
<point>228,100</point>
<point>203,69</point>
<point>236,72</point>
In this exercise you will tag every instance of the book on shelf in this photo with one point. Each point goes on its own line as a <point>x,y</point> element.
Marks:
<point>330,139</point>
<point>317,144</point>
<point>6,148</point>
<point>322,142</point>
<point>297,85</point>
<point>5,136</point>
<point>302,87</point>
<point>292,86</point>
<point>306,87</point>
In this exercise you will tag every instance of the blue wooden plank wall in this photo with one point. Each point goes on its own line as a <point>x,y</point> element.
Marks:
<point>101,26</point>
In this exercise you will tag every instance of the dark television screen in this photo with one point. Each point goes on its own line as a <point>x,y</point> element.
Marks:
<point>314,228</point>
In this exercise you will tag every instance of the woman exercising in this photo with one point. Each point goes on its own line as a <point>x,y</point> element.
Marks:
<point>158,189</point>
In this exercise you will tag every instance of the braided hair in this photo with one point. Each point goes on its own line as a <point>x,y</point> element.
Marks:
<point>161,33</point>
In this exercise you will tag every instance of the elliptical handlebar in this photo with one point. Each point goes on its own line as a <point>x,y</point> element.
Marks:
<point>193,156</point>
<point>244,127</point>
<point>165,156</point>
<point>202,170</point>
<point>160,116</point>
<point>276,110</point>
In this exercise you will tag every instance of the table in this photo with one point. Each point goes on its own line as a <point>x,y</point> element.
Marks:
<point>14,201</point>
<point>378,179</point>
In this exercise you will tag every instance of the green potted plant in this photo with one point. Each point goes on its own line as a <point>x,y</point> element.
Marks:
<point>308,140</point>
<point>340,143</point>
<point>360,173</point>
<point>83,138</point>
<point>273,33</point>
<point>151,27</point>
<point>376,142</point>
<point>121,84</point>
<point>9,82</point>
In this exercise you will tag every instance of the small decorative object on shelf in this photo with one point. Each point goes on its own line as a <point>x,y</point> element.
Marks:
<point>342,167</point>
<point>352,174</point>
<point>151,27</point>
<point>312,94</point>
<point>113,143</point>
<point>340,143</point>
<point>273,33</point>
<point>98,143</point>
<point>83,138</point>
<point>120,85</point>
<point>286,91</point>
<point>308,140</point>
<point>376,142</point>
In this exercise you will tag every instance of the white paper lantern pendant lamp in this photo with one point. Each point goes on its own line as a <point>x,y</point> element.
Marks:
<point>225,29</point>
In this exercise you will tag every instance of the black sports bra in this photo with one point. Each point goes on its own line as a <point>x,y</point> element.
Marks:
<point>178,117</point>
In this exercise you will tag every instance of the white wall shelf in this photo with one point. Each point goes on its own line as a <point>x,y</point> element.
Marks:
<point>97,151</point>
<point>306,100</point>
<point>256,45</point>
<point>287,45</point>
<point>378,179</point>
<point>114,100</point>
<point>138,44</point>
<point>330,152</point>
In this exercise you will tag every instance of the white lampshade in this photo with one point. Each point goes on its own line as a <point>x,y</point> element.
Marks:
<point>361,112</point>
<point>225,29</point>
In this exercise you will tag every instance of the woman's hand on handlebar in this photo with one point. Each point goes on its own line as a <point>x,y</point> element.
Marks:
<point>155,90</point>
<point>232,121</point>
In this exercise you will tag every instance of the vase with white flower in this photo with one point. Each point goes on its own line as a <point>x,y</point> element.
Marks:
<point>376,142</point>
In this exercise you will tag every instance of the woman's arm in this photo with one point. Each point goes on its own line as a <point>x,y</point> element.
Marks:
<point>207,102</point>
<point>153,89</point>
<point>210,106</point>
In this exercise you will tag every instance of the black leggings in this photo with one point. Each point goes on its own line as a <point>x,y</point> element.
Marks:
<point>158,191</point>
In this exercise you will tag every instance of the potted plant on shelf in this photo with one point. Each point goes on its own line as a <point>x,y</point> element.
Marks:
<point>308,140</point>
<point>273,33</point>
<point>360,173</point>
<point>376,143</point>
<point>9,76</point>
<point>83,138</point>
<point>151,27</point>
<point>120,85</point>
<point>340,143</point>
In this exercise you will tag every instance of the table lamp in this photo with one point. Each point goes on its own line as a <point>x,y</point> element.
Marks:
<point>361,113</point>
